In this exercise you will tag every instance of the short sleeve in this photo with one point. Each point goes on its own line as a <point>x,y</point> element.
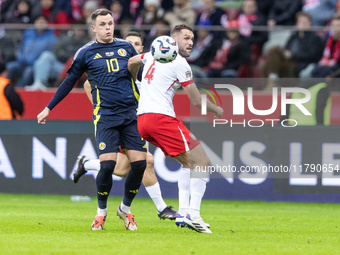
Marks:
<point>183,72</point>
<point>145,57</point>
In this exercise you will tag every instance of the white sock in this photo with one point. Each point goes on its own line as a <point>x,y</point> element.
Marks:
<point>124,208</point>
<point>92,164</point>
<point>184,191</point>
<point>154,192</point>
<point>197,189</point>
<point>101,212</point>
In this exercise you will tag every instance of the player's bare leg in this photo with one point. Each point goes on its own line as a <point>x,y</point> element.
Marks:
<point>192,189</point>
<point>151,185</point>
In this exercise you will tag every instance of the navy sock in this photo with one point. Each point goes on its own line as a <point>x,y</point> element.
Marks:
<point>104,182</point>
<point>133,181</point>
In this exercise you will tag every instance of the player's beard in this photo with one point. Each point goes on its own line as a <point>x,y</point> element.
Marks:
<point>184,53</point>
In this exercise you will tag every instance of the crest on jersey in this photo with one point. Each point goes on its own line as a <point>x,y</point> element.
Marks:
<point>188,74</point>
<point>122,52</point>
<point>109,54</point>
<point>102,146</point>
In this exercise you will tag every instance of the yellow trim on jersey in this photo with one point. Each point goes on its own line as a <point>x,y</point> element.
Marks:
<point>95,111</point>
<point>134,90</point>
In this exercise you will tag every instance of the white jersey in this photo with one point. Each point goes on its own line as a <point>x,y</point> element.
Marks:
<point>160,82</point>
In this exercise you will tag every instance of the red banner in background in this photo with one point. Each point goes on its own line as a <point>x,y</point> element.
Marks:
<point>76,106</point>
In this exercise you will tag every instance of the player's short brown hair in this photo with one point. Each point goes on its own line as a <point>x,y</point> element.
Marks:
<point>180,27</point>
<point>99,12</point>
<point>134,33</point>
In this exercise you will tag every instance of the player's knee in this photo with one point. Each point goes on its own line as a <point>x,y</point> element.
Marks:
<point>203,162</point>
<point>149,160</point>
<point>138,167</point>
<point>107,167</point>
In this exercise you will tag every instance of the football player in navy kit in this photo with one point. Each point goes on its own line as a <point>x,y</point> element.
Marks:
<point>115,100</point>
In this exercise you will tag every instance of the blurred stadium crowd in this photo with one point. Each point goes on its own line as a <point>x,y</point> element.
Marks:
<point>269,39</point>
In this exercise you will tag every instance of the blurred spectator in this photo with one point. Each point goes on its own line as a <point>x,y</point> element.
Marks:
<point>126,26</point>
<point>51,63</point>
<point>135,8</point>
<point>7,47</point>
<point>264,7</point>
<point>77,9</point>
<point>302,48</point>
<point>89,7</point>
<point>321,11</point>
<point>35,41</point>
<point>116,8</point>
<point>234,53</point>
<point>182,12</point>
<point>197,4</point>
<point>11,105</point>
<point>21,13</point>
<point>5,7</point>
<point>150,14</point>
<point>204,48</point>
<point>283,12</point>
<point>249,18</point>
<point>167,5</point>
<point>212,14</point>
<point>160,28</point>
<point>130,8</point>
<point>330,61</point>
<point>48,9</point>
<point>66,6</point>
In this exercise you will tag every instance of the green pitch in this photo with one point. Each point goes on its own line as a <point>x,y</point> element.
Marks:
<point>42,224</point>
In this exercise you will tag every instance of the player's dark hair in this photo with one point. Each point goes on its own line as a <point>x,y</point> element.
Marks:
<point>134,33</point>
<point>180,27</point>
<point>99,12</point>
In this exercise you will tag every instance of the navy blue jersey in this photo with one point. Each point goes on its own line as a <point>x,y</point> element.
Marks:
<point>113,89</point>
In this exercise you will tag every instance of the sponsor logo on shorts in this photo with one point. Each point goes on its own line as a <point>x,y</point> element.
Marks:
<point>122,52</point>
<point>102,146</point>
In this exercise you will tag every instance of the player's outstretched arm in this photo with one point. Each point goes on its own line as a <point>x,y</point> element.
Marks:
<point>87,88</point>
<point>133,65</point>
<point>62,91</point>
<point>195,98</point>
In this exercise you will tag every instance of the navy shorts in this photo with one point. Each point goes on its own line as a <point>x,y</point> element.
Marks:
<point>114,131</point>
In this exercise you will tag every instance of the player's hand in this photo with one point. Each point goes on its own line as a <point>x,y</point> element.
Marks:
<point>43,115</point>
<point>219,112</point>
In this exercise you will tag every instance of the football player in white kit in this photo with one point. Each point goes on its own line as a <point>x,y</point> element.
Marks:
<point>157,122</point>
<point>122,168</point>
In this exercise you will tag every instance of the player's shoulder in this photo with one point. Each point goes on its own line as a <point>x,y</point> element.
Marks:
<point>124,46</point>
<point>82,50</point>
<point>122,42</point>
<point>180,61</point>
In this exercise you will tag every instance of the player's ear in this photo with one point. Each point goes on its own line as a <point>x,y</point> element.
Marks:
<point>93,28</point>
